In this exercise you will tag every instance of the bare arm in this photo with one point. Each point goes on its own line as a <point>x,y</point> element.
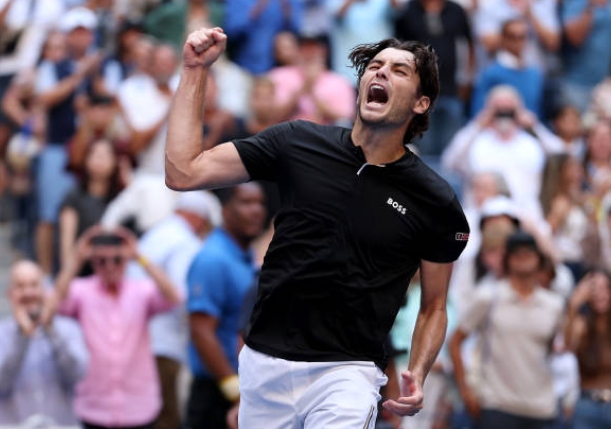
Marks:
<point>203,333</point>
<point>469,398</point>
<point>187,166</point>
<point>428,337</point>
<point>550,39</point>
<point>577,30</point>
<point>164,284</point>
<point>68,225</point>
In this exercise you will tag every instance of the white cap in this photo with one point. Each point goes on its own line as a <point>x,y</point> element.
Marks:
<point>201,203</point>
<point>78,17</point>
<point>499,205</point>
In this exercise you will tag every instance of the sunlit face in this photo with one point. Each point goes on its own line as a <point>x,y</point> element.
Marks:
<point>523,261</point>
<point>599,142</point>
<point>514,38</point>
<point>286,48</point>
<point>572,172</point>
<point>568,124</point>
<point>79,41</point>
<point>262,99</point>
<point>600,294</point>
<point>164,64</point>
<point>109,263</point>
<point>26,287</point>
<point>389,90</point>
<point>101,160</point>
<point>55,48</point>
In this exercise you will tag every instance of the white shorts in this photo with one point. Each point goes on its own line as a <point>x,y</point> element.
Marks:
<point>282,394</point>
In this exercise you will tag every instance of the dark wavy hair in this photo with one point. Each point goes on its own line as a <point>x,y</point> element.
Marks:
<point>426,67</point>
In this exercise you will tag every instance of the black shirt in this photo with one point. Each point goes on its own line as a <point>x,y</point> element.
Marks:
<point>348,238</point>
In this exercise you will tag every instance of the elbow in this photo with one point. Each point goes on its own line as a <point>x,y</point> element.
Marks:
<point>176,178</point>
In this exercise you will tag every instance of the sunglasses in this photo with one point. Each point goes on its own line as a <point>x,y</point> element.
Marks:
<point>107,260</point>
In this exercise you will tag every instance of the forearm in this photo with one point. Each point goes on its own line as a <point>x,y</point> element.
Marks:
<point>185,124</point>
<point>549,39</point>
<point>141,139</point>
<point>427,340</point>
<point>211,353</point>
<point>69,366</point>
<point>455,346</point>
<point>13,108</point>
<point>577,30</point>
<point>69,271</point>
<point>164,284</point>
<point>11,362</point>
<point>61,91</point>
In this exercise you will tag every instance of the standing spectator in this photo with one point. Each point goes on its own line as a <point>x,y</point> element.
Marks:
<point>518,321</point>
<point>252,26</point>
<point>507,139</point>
<point>443,25</point>
<point>586,57</point>
<point>121,389</point>
<point>24,25</point>
<point>171,245</point>
<point>510,68</point>
<point>351,17</point>
<point>587,333</point>
<point>39,364</point>
<point>567,125</point>
<point>85,203</point>
<point>310,91</point>
<point>221,274</point>
<point>57,86</point>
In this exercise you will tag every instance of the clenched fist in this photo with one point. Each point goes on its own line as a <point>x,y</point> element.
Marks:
<point>203,47</point>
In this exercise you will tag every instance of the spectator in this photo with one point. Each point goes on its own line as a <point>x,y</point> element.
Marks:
<point>350,18</point>
<point>24,25</point>
<point>39,364</point>
<point>219,277</point>
<point>507,139</point>
<point>286,49</point>
<point>571,219</point>
<point>121,389</point>
<point>587,334</point>
<point>597,162</point>
<point>252,25</point>
<point>171,245</point>
<point>310,91</point>
<point>444,26</point>
<point>220,124</point>
<point>566,124</point>
<point>510,68</point>
<point>600,106</point>
<point>58,83</point>
<point>586,57</point>
<point>518,320</point>
<point>84,205</point>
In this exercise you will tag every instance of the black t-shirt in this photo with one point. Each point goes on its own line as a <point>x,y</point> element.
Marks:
<point>348,238</point>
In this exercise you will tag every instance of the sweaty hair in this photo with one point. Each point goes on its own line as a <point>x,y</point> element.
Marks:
<point>426,67</point>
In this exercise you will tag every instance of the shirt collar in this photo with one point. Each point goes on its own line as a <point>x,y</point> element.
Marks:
<point>233,247</point>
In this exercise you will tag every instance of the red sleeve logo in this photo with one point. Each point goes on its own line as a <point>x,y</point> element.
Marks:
<point>461,236</point>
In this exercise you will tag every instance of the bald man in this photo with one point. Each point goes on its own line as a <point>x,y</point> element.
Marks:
<point>39,365</point>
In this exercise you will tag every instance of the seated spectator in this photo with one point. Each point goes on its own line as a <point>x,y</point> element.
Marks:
<point>507,139</point>
<point>121,389</point>
<point>310,90</point>
<point>40,365</point>
<point>518,321</point>
<point>510,68</point>
<point>587,333</point>
<point>85,204</point>
<point>172,245</point>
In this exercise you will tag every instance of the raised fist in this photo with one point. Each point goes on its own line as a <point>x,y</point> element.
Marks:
<point>203,47</point>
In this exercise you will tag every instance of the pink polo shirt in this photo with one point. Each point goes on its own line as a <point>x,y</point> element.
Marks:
<point>121,387</point>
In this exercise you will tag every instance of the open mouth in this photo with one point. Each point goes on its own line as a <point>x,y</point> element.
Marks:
<point>377,94</point>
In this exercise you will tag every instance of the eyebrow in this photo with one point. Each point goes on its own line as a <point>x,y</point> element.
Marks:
<point>403,64</point>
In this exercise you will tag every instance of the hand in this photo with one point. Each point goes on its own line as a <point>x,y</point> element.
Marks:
<point>89,64</point>
<point>582,292</point>
<point>203,47</point>
<point>25,323</point>
<point>49,308</point>
<point>471,403</point>
<point>131,242</point>
<point>232,416</point>
<point>526,119</point>
<point>412,397</point>
<point>82,248</point>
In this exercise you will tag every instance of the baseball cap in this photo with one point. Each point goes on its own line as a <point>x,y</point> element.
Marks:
<point>520,240</point>
<point>499,205</point>
<point>78,17</point>
<point>201,203</point>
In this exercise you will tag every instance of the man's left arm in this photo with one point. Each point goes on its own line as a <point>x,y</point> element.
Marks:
<point>428,337</point>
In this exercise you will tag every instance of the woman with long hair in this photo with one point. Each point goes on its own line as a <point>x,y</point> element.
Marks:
<point>98,185</point>
<point>588,335</point>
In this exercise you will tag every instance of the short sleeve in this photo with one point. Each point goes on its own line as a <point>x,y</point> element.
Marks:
<point>477,310</point>
<point>72,200</point>
<point>157,302</point>
<point>261,153</point>
<point>206,288</point>
<point>447,236</point>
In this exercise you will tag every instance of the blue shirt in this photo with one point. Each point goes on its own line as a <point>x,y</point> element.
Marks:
<point>589,63</point>
<point>217,281</point>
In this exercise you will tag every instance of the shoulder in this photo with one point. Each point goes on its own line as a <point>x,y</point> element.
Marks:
<point>552,299</point>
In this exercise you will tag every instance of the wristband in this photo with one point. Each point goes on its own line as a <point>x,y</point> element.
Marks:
<point>230,387</point>
<point>143,260</point>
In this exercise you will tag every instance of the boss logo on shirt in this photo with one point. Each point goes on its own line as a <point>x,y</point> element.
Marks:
<point>461,236</point>
<point>395,205</point>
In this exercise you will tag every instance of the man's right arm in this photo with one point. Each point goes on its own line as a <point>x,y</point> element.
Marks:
<point>187,166</point>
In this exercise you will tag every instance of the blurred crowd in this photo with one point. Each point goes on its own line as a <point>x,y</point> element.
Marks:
<point>129,299</point>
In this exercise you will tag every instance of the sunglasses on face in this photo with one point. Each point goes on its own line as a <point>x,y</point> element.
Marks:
<point>107,260</point>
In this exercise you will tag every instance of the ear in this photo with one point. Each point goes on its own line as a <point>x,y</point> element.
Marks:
<point>421,105</point>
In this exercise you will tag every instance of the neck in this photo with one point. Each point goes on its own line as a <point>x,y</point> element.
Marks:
<point>432,5</point>
<point>524,285</point>
<point>98,187</point>
<point>380,145</point>
<point>241,241</point>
